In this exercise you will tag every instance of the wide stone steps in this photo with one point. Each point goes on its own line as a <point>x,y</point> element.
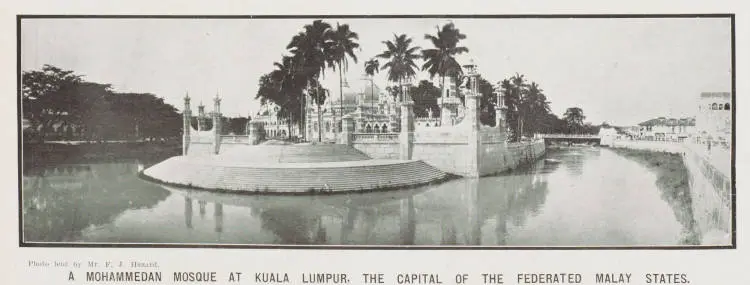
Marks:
<point>295,153</point>
<point>322,177</point>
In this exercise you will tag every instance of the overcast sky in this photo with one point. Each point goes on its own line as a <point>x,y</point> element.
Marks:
<point>622,71</point>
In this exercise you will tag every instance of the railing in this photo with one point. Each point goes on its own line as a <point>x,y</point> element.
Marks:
<point>566,136</point>
<point>235,139</point>
<point>376,137</point>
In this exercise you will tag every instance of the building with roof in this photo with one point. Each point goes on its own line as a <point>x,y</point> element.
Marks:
<point>667,129</point>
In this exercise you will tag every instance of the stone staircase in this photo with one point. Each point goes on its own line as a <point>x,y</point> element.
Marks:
<point>294,153</point>
<point>291,177</point>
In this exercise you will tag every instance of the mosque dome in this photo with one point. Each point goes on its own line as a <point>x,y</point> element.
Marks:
<point>361,93</point>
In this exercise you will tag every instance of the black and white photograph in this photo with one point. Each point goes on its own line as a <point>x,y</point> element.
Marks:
<point>362,131</point>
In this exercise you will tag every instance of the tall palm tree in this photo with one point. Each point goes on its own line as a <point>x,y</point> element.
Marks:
<point>441,60</point>
<point>371,67</point>
<point>400,56</point>
<point>520,90</point>
<point>311,50</point>
<point>343,45</point>
<point>319,95</point>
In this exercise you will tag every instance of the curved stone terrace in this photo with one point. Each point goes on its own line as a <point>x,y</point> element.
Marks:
<point>292,169</point>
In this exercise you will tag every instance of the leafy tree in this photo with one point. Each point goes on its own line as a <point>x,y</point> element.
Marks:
<point>441,60</point>
<point>400,56</point>
<point>574,117</point>
<point>425,97</point>
<point>48,97</point>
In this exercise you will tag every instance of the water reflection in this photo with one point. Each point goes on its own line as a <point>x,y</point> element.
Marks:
<point>60,201</point>
<point>454,213</point>
<point>576,202</point>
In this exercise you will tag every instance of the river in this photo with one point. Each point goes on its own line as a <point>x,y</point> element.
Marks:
<point>593,197</point>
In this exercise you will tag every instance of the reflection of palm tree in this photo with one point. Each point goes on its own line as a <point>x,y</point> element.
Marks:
<point>348,225</point>
<point>218,218</point>
<point>188,212</point>
<point>408,221</point>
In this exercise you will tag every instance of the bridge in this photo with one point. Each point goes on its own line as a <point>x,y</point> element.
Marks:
<point>571,138</point>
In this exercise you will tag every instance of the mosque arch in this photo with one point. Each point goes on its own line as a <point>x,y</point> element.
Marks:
<point>368,129</point>
<point>384,129</point>
<point>727,106</point>
<point>714,106</point>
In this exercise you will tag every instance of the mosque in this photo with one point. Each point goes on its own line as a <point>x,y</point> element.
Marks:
<point>373,109</point>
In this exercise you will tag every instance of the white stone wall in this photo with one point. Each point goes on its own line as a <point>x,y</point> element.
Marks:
<point>379,150</point>
<point>710,191</point>
<point>450,158</point>
<point>496,157</point>
<point>200,149</point>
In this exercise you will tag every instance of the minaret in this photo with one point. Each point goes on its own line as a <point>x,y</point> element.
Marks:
<point>186,118</point>
<point>201,116</point>
<point>500,111</point>
<point>216,116</point>
<point>448,102</point>
<point>472,120</point>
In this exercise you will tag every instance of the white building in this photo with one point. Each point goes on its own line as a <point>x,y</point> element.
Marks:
<point>714,118</point>
<point>667,129</point>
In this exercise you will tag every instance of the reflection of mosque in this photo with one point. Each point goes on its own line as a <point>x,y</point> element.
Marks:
<point>60,201</point>
<point>467,212</point>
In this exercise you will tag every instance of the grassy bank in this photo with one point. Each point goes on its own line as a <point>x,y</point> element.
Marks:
<point>59,153</point>
<point>673,181</point>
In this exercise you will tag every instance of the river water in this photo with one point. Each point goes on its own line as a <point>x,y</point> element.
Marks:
<point>593,197</point>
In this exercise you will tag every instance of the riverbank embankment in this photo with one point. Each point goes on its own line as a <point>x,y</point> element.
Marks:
<point>35,154</point>
<point>672,178</point>
<point>708,179</point>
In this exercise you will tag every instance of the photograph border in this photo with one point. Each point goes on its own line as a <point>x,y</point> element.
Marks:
<point>22,243</point>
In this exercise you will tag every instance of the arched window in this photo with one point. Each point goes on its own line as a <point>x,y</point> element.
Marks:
<point>727,107</point>
<point>385,129</point>
<point>368,129</point>
<point>714,106</point>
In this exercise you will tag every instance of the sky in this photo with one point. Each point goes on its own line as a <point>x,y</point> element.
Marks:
<point>622,71</point>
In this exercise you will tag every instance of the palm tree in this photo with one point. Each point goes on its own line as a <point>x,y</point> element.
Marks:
<point>319,95</point>
<point>371,67</point>
<point>343,44</point>
<point>441,60</point>
<point>311,50</point>
<point>400,58</point>
<point>519,91</point>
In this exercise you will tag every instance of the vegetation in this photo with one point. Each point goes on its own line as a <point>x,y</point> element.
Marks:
<point>60,105</point>
<point>401,56</point>
<point>441,60</point>
<point>320,46</point>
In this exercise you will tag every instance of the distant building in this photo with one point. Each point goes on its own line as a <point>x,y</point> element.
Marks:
<point>275,127</point>
<point>714,118</point>
<point>607,135</point>
<point>667,129</point>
